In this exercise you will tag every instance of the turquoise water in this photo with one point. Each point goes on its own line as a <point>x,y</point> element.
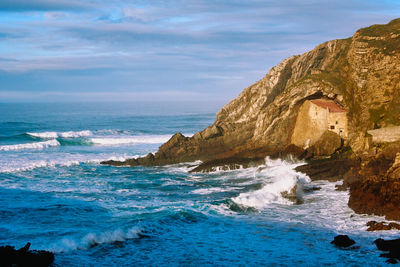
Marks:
<point>56,195</point>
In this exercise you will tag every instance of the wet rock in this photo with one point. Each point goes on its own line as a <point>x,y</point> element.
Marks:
<point>393,248</point>
<point>22,257</point>
<point>376,196</point>
<point>225,164</point>
<point>380,226</point>
<point>343,241</point>
<point>330,170</point>
<point>392,261</point>
<point>387,245</point>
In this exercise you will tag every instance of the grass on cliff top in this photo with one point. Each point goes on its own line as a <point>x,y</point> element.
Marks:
<point>381,29</point>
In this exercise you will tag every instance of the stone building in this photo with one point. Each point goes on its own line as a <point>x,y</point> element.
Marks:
<point>315,117</point>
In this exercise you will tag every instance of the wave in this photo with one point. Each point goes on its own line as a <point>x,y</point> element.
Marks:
<point>281,182</point>
<point>211,190</point>
<point>157,139</point>
<point>93,239</point>
<point>37,145</point>
<point>28,165</point>
<point>69,134</point>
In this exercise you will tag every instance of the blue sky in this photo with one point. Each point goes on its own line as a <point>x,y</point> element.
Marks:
<point>178,50</point>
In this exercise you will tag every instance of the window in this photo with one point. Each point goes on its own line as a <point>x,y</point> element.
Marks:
<point>332,127</point>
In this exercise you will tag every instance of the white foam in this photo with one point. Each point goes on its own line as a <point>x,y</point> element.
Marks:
<point>18,163</point>
<point>93,239</point>
<point>37,145</point>
<point>149,139</point>
<point>206,191</point>
<point>278,176</point>
<point>69,134</point>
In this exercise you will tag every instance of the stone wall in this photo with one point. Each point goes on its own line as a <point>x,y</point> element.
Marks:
<point>339,121</point>
<point>385,135</point>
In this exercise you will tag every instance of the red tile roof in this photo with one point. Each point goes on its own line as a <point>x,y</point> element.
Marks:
<point>329,104</point>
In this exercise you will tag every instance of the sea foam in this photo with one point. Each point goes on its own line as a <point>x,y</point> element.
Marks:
<point>37,145</point>
<point>278,176</point>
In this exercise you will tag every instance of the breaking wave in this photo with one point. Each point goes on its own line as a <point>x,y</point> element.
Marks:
<point>28,165</point>
<point>69,134</point>
<point>93,239</point>
<point>156,139</point>
<point>37,145</point>
<point>279,179</point>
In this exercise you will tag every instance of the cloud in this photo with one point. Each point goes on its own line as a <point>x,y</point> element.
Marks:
<point>198,46</point>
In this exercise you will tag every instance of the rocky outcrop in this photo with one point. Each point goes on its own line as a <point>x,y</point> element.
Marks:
<point>382,226</point>
<point>361,73</point>
<point>391,246</point>
<point>9,256</point>
<point>376,186</point>
<point>329,170</point>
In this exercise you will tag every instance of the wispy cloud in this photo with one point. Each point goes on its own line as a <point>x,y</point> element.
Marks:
<point>198,46</point>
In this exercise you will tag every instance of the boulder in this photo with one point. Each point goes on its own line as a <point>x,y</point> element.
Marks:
<point>326,145</point>
<point>343,241</point>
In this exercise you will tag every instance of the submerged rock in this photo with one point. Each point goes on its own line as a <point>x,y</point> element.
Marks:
<point>23,257</point>
<point>343,241</point>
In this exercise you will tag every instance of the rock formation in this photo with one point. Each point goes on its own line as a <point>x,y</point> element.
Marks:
<point>9,256</point>
<point>361,74</point>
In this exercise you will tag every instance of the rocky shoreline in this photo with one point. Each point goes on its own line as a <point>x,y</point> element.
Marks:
<point>354,81</point>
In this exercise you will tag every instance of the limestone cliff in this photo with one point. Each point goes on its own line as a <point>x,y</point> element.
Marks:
<point>361,73</point>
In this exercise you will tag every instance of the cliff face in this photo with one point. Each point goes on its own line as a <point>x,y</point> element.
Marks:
<point>362,73</point>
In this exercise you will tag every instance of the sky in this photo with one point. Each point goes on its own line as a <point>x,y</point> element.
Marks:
<point>205,51</point>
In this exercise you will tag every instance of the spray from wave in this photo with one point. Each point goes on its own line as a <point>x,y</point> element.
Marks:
<point>93,239</point>
<point>281,183</point>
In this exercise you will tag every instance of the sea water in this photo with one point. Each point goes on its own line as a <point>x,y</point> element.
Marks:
<point>55,194</point>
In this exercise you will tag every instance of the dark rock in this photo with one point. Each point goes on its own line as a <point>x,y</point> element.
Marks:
<point>290,151</point>
<point>228,164</point>
<point>22,257</point>
<point>343,241</point>
<point>330,170</point>
<point>387,245</point>
<point>391,261</point>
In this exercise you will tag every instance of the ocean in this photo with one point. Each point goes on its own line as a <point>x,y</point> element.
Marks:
<point>56,195</point>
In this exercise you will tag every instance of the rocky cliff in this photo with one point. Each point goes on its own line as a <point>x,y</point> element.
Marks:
<point>361,73</point>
